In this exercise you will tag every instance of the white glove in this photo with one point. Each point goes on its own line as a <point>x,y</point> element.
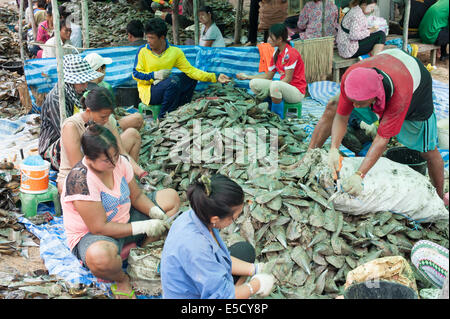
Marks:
<point>157,213</point>
<point>333,159</point>
<point>266,283</point>
<point>162,74</point>
<point>259,268</point>
<point>370,129</point>
<point>152,227</point>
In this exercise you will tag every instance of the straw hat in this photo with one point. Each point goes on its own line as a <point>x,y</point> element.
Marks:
<point>77,71</point>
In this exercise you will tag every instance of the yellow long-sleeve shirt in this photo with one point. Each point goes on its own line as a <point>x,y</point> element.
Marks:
<point>147,62</point>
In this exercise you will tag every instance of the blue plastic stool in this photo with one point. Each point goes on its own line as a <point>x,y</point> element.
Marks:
<point>30,202</point>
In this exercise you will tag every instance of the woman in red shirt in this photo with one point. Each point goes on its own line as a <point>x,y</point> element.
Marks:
<point>288,62</point>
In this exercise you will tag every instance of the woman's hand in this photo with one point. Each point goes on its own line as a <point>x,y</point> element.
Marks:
<point>242,76</point>
<point>223,79</point>
<point>374,29</point>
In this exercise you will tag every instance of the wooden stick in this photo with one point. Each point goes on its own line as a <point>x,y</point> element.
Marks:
<point>85,18</point>
<point>196,23</point>
<point>175,24</point>
<point>59,62</point>
<point>238,22</point>
<point>22,53</point>
<point>406,24</point>
<point>33,22</point>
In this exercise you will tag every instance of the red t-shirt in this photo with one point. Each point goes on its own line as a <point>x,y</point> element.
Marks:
<point>405,78</point>
<point>290,58</point>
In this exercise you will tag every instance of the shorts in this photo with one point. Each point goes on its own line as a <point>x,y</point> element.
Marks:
<point>419,135</point>
<point>87,240</point>
<point>244,251</point>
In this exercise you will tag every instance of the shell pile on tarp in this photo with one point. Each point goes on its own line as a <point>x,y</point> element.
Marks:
<point>306,244</point>
<point>40,285</point>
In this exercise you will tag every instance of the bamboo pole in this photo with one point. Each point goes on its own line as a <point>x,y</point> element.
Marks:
<point>406,24</point>
<point>22,53</point>
<point>175,24</point>
<point>85,18</point>
<point>238,22</point>
<point>196,23</point>
<point>59,62</point>
<point>33,22</point>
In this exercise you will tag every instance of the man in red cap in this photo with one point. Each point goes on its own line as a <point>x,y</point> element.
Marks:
<point>398,90</point>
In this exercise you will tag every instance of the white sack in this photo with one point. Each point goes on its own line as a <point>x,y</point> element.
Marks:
<point>390,186</point>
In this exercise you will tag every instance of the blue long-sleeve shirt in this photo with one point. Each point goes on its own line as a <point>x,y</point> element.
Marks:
<point>193,265</point>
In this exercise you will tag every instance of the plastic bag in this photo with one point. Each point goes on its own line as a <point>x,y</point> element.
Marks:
<point>390,186</point>
<point>392,268</point>
<point>143,268</point>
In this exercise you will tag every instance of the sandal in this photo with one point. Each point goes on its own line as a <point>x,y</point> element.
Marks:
<point>120,293</point>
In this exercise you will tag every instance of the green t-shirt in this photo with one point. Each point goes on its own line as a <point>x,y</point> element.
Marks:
<point>433,21</point>
<point>104,84</point>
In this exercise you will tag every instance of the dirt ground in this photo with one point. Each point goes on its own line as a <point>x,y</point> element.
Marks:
<point>24,265</point>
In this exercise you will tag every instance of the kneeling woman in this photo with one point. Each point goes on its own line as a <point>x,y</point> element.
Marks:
<point>104,208</point>
<point>288,62</point>
<point>98,107</point>
<point>195,262</point>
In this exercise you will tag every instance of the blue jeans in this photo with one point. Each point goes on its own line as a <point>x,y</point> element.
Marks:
<point>172,92</point>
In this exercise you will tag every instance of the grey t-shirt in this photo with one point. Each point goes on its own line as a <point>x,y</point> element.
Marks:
<point>213,33</point>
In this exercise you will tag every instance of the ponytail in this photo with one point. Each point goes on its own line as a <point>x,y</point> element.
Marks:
<point>215,196</point>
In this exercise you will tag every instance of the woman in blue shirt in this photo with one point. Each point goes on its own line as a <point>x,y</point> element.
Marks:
<point>195,262</point>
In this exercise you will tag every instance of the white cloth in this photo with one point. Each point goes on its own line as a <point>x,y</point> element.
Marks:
<point>76,37</point>
<point>213,33</point>
<point>50,52</point>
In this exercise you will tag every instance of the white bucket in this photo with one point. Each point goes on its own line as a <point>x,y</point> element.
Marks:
<point>443,133</point>
<point>34,179</point>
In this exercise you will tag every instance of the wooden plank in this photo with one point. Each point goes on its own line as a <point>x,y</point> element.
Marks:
<point>339,62</point>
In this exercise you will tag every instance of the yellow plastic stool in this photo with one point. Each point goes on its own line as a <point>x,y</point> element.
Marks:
<point>294,106</point>
<point>30,202</point>
<point>152,108</point>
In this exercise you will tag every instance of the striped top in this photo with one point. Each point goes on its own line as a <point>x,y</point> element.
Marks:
<point>408,90</point>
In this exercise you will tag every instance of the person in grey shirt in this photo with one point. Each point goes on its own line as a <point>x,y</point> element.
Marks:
<point>210,35</point>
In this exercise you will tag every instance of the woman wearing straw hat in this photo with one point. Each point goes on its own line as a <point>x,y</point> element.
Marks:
<point>77,74</point>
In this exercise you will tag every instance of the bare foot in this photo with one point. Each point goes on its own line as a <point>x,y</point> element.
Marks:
<point>123,290</point>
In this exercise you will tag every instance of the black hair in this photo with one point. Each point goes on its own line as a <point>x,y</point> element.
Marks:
<point>156,26</point>
<point>97,140</point>
<point>63,23</point>
<point>354,3</point>
<point>215,198</point>
<point>49,9</point>
<point>97,99</point>
<point>278,30</point>
<point>209,10</point>
<point>63,12</point>
<point>135,28</point>
<point>41,3</point>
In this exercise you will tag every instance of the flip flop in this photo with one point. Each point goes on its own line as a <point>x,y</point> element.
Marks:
<point>120,293</point>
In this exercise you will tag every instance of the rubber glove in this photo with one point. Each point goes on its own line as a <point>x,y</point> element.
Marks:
<point>353,185</point>
<point>370,129</point>
<point>266,282</point>
<point>263,94</point>
<point>162,74</point>
<point>259,268</point>
<point>151,227</point>
<point>333,159</point>
<point>157,213</point>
